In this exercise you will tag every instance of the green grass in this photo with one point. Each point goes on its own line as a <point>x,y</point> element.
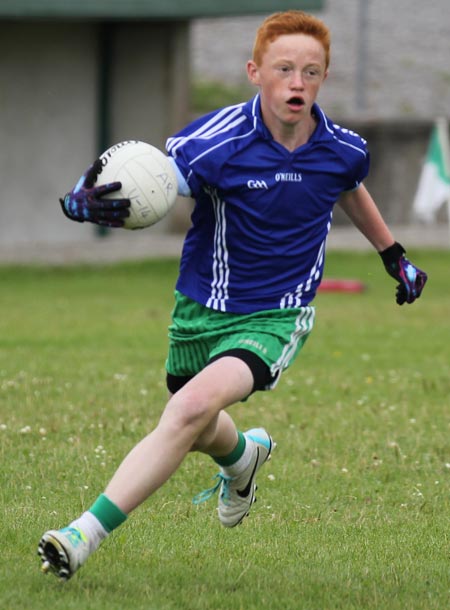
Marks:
<point>353,511</point>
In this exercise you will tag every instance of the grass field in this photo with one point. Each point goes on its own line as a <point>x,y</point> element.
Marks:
<point>353,511</point>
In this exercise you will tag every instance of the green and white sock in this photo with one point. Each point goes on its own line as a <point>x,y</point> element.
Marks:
<point>238,460</point>
<point>101,519</point>
<point>108,514</point>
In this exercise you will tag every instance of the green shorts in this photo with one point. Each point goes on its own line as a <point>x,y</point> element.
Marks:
<point>199,334</point>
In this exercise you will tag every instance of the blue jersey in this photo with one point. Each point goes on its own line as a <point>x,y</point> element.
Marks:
<point>262,213</point>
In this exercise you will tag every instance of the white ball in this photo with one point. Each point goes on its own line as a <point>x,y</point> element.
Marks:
<point>148,181</point>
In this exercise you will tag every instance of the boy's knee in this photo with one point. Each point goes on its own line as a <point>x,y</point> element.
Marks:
<point>190,410</point>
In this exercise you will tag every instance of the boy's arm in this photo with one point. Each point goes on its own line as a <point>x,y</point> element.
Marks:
<point>363,212</point>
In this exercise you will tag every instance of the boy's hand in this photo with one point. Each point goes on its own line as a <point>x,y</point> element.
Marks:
<point>412,279</point>
<point>85,202</point>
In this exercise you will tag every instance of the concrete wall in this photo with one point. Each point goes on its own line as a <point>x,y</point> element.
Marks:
<point>47,114</point>
<point>389,58</point>
<point>51,108</point>
<point>389,79</point>
<point>51,104</point>
<point>397,150</point>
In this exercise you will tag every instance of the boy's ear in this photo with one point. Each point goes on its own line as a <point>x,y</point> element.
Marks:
<point>252,72</point>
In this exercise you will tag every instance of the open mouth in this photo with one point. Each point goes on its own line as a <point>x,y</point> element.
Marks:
<point>296,102</point>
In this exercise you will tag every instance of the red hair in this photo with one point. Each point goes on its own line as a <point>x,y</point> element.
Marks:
<point>290,22</point>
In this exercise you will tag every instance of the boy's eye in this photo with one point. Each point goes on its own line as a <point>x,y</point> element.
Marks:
<point>312,73</point>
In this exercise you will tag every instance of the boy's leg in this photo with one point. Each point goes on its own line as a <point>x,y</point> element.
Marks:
<point>272,340</point>
<point>238,467</point>
<point>236,478</point>
<point>187,414</point>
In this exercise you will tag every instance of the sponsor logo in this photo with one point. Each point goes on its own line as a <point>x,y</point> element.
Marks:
<point>105,157</point>
<point>257,184</point>
<point>255,344</point>
<point>243,493</point>
<point>279,177</point>
<point>288,177</point>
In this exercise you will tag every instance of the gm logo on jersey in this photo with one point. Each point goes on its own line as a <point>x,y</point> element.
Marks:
<point>257,184</point>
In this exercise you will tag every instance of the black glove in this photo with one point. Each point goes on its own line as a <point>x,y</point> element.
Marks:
<point>85,201</point>
<point>412,279</point>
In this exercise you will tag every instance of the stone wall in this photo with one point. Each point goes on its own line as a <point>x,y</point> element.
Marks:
<point>390,58</point>
<point>389,79</point>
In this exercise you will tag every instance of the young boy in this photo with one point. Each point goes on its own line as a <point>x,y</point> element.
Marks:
<point>265,176</point>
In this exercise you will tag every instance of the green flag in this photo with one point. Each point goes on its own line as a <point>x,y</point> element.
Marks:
<point>433,190</point>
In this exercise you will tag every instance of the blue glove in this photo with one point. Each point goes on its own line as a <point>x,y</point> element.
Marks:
<point>412,279</point>
<point>85,201</point>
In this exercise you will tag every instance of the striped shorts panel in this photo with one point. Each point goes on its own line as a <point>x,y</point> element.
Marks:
<point>198,333</point>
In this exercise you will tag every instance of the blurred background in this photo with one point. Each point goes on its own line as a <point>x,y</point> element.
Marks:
<point>76,78</point>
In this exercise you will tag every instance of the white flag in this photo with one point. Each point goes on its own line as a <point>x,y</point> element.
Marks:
<point>434,183</point>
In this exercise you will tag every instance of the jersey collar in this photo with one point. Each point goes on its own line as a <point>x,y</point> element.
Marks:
<point>324,129</point>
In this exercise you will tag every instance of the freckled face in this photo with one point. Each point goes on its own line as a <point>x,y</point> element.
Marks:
<point>289,77</point>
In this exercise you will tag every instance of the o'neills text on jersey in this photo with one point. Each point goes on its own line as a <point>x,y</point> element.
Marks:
<point>288,177</point>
